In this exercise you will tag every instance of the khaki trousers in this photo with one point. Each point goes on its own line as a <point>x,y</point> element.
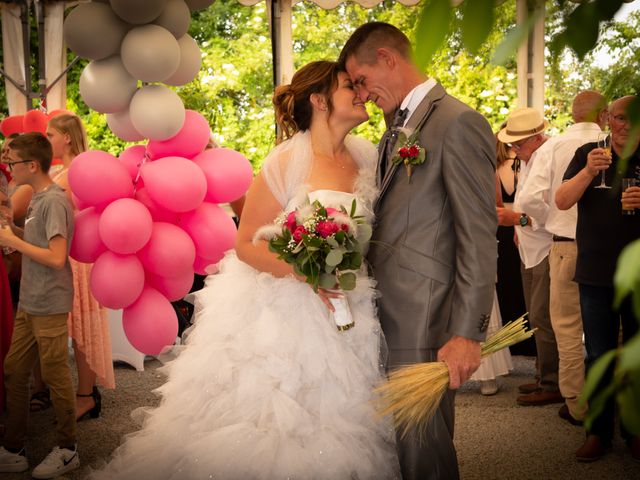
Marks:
<point>566,320</point>
<point>535,284</point>
<point>43,338</point>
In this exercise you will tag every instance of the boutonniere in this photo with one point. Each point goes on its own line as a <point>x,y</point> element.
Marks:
<point>410,152</point>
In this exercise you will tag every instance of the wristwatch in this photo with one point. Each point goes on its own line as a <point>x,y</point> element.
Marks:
<point>524,220</point>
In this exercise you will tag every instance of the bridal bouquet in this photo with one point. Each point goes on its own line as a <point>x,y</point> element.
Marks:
<point>413,393</point>
<point>324,245</point>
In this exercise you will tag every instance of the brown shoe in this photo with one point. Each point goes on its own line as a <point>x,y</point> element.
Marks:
<point>528,387</point>
<point>591,450</point>
<point>565,414</point>
<point>634,446</point>
<point>541,397</point>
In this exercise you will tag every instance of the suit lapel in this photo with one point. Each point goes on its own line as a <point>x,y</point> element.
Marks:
<point>417,121</point>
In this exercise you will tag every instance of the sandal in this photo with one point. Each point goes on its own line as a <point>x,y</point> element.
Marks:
<point>40,401</point>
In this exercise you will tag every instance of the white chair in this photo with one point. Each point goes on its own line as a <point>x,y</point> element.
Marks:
<point>121,349</point>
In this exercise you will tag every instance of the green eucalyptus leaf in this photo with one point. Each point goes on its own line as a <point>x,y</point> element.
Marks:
<point>477,22</point>
<point>433,28</point>
<point>364,233</point>
<point>327,281</point>
<point>347,281</point>
<point>353,208</point>
<point>332,242</point>
<point>335,257</point>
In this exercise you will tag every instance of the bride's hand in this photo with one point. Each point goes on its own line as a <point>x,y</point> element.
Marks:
<point>325,295</point>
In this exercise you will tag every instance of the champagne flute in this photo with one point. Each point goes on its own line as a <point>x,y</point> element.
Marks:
<point>604,142</point>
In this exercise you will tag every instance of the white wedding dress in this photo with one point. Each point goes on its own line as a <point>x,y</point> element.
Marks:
<point>266,386</point>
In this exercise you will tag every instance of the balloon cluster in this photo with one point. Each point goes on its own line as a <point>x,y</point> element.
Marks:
<point>32,121</point>
<point>129,41</point>
<point>150,219</point>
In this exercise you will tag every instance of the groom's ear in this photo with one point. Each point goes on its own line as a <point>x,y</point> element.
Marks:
<point>318,101</point>
<point>386,57</point>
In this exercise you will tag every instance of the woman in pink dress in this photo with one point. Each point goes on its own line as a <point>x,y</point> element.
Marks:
<point>88,323</point>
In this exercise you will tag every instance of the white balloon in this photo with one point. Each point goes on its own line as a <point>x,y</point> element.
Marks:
<point>138,12</point>
<point>106,86</point>
<point>93,31</point>
<point>190,62</point>
<point>150,53</point>
<point>157,112</point>
<point>198,4</point>
<point>175,17</point>
<point>121,126</point>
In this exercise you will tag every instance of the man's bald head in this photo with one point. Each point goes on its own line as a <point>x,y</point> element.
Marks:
<point>620,105</point>
<point>589,106</point>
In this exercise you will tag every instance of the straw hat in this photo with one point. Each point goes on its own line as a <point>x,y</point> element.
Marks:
<point>522,123</point>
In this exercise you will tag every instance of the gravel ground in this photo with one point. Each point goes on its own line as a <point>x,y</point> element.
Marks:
<point>495,438</point>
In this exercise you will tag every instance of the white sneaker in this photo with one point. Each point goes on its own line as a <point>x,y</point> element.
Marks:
<point>12,462</point>
<point>488,387</point>
<point>59,461</point>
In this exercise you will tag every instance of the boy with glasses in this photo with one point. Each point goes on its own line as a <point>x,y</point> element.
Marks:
<point>46,296</point>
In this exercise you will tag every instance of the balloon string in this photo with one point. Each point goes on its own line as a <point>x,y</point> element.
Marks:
<point>144,160</point>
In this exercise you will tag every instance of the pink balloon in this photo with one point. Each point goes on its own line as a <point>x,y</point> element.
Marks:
<point>86,245</point>
<point>125,226</point>
<point>174,287</point>
<point>35,121</point>
<point>98,178</point>
<point>175,183</point>
<point>132,159</point>
<point>228,174</point>
<point>158,213</point>
<point>116,280</point>
<point>79,204</point>
<point>188,142</point>
<point>204,266</point>
<point>169,251</point>
<point>212,230</point>
<point>150,324</point>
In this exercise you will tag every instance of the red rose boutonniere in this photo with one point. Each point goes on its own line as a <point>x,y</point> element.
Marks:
<point>410,153</point>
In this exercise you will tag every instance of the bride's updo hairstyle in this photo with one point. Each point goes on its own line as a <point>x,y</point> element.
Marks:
<point>293,102</point>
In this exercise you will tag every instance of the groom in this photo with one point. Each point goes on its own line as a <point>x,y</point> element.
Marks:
<point>433,251</point>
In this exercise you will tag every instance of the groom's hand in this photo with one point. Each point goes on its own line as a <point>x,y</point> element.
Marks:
<point>462,356</point>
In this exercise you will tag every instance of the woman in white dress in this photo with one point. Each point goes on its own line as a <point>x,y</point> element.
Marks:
<point>266,386</point>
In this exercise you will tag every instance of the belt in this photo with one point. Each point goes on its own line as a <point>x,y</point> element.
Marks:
<point>557,238</point>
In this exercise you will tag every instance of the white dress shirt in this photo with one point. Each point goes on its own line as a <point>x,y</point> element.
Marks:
<point>415,97</point>
<point>534,241</point>
<point>537,196</point>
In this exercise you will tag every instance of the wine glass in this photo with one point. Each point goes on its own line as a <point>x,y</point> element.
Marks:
<point>604,142</point>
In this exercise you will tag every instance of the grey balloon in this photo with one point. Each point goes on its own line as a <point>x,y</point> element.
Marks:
<point>190,62</point>
<point>157,112</point>
<point>150,53</point>
<point>138,12</point>
<point>93,31</point>
<point>175,17</point>
<point>106,86</point>
<point>121,126</point>
<point>198,4</point>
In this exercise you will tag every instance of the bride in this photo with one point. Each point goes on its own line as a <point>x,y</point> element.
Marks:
<point>267,387</point>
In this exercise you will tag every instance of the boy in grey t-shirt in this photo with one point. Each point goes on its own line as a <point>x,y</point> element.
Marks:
<point>46,297</point>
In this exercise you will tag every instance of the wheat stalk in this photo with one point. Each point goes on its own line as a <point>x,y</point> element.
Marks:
<point>413,393</point>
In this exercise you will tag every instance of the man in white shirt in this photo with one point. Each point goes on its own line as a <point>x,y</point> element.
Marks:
<point>524,132</point>
<point>589,113</point>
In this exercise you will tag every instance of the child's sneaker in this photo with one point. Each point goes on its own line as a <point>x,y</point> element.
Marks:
<point>12,462</point>
<point>59,461</point>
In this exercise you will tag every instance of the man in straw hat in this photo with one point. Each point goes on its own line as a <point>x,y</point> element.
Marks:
<point>524,132</point>
<point>589,111</point>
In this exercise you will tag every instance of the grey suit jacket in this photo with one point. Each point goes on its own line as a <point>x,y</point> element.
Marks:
<point>433,251</point>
